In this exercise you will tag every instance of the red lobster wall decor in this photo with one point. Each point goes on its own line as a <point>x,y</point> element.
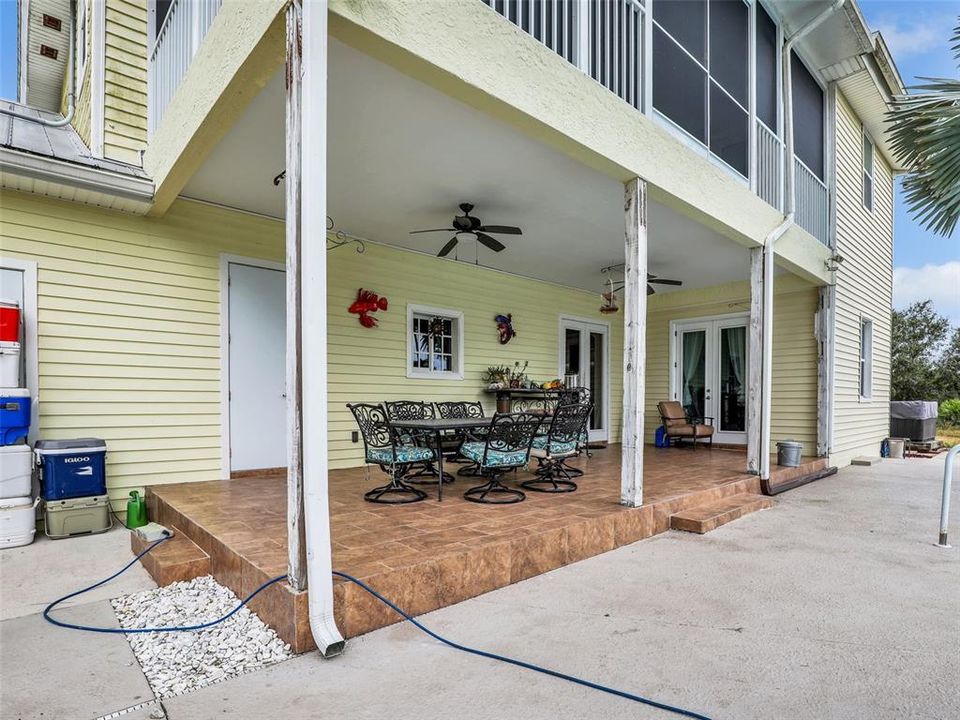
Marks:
<point>367,302</point>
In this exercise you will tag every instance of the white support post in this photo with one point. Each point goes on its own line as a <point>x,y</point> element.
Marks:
<point>634,342</point>
<point>313,294</point>
<point>755,361</point>
<point>296,539</point>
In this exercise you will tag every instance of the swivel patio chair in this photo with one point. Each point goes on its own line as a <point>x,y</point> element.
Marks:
<point>506,448</point>
<point>677,423</point>
<point>463,410</point>
<point>426,473</point>
<point>559,444</point>
<point>382,447</point>
<point>577,396</point>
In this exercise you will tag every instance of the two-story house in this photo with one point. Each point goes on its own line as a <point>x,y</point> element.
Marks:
<point>736,147</point>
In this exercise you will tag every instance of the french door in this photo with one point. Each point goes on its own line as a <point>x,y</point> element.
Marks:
<point>709,375</point>
<point>585,352</point>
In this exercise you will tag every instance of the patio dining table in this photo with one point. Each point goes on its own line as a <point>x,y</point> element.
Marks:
<point>438,426</point>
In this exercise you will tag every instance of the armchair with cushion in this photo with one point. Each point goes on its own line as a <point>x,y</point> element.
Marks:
<point>679,425</point>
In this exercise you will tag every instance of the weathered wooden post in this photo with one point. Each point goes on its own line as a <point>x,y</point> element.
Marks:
<point>634,342</point>
<point>296,540</point>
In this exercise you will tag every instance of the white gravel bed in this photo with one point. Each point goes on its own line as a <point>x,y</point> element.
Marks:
<point>178,662</point>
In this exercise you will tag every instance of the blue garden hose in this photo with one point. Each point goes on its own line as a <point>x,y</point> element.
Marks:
<point>419,625</point>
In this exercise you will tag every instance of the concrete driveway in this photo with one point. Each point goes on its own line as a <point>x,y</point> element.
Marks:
<point>833,604</point>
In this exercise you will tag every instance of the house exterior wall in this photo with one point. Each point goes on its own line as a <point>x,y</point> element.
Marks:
<point>794,351</point>
<point>129,334</point>
<point>864,290</point>
<point>82,113</point>
<point>125,80</point>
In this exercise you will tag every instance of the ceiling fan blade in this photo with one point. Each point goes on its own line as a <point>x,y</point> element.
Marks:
<point>490,242</point>
<point>504,229</point>
<point>445,250</point>
<point>417,232</point>
<point>650,290</point>
<point>664,281</point>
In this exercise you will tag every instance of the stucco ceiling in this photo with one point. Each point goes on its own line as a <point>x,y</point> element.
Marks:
<point>402,155</point>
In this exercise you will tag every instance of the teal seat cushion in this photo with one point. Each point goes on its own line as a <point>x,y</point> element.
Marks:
<point>556,448</point>
<point>495,458</point>
<point>405,454</point>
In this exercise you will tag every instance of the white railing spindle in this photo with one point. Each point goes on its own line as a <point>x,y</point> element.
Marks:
<point>178,40</point>
<point>813,203</point>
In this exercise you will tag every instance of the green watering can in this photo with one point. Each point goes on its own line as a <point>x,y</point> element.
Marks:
<point>136,511</point>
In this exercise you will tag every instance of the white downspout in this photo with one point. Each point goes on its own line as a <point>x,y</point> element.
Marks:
<point>71,92</point>
<point>778,232</point>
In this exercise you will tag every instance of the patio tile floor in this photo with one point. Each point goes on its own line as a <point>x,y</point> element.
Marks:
<point>427,555</point>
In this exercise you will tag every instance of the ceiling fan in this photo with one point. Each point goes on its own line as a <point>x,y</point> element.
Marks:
<point>472,225</point>
<point>653,279</point>
<point>609,297</point>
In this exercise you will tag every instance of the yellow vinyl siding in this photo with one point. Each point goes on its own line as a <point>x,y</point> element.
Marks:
<point>129,328</point>
<point>82,116</point>
<point>864,289</point>
<point>370,364</point>
<point>794,351</point>
<point>125,80</point>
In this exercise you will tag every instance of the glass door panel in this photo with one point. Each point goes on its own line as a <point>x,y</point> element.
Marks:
<point>598,390</point>
<point>571,353</point>
<point>693,372</point>
<point>733,367</point>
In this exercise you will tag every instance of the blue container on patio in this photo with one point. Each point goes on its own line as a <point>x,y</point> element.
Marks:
<point>72,468</point>
<point>14,414</point>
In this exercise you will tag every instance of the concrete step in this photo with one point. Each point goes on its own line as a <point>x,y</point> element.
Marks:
<point>704,518</point>
<point>174,560</point>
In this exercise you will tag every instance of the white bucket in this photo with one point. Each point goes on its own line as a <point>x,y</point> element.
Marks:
<point>16,470</point>
<point>896,446</point>
<point>10,364</point>
<point>18,521</point>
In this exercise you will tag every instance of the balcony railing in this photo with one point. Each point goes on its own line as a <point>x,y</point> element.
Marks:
<point>604,38</point>
<point>769,166</point>
<point>183,29</point>
<point>813,203</point>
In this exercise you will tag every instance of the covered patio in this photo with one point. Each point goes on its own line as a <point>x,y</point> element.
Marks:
<point>433,554</point>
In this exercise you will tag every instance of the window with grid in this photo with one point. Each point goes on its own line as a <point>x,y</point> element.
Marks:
<point>700,72</point>
<point>867,172</point>
<point>435,347</point>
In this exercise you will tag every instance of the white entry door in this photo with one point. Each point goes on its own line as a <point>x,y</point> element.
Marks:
<point>710,373</point>
<point>256,354</point>
<point>585,352</point>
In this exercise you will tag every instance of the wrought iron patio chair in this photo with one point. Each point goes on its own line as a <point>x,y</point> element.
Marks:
<point>382,447</point>
<point>426,472</point>
<point>578,396</point>
<point>559,444</point>
<point>506,448</point>
<point>463,410</point>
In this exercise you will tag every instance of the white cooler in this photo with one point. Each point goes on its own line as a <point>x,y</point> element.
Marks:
<point>16,471</point>
<point>18,521</point>
<point>10,364</point>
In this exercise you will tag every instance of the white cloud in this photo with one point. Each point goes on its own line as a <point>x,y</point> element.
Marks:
<point>940,283</point>
<point>914,36</point>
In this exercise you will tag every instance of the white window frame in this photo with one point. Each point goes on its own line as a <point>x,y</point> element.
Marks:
<point>865,376</point>
<point>80,47</point>
<point>456,317</point>
<point>865,138</point>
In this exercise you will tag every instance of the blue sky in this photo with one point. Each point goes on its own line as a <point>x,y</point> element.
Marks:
<point>917,32</point>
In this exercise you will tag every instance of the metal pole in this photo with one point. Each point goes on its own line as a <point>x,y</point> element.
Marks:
<point>945,499</point>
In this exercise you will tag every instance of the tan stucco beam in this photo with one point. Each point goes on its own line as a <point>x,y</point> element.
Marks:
<point>467,51</point>
<point>241,52</point>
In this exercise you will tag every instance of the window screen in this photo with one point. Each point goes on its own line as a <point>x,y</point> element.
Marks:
<point>679,86</point>
<point>767,69</point>
<point>807,117</point>
<point>730,46</point>
<point>686,22</point>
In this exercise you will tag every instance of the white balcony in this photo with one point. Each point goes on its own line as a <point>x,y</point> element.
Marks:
<point>178,39</point>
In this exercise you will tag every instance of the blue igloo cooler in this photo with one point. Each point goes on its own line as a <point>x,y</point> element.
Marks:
<point>14,414</point>
<point>72,468</point>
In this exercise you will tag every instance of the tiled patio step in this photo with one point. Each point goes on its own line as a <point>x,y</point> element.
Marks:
<point>704,518</point>
<point>808,466</point>
<point>174,560</point>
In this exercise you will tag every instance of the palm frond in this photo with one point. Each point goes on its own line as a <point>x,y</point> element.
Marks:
<point>925,136</point>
